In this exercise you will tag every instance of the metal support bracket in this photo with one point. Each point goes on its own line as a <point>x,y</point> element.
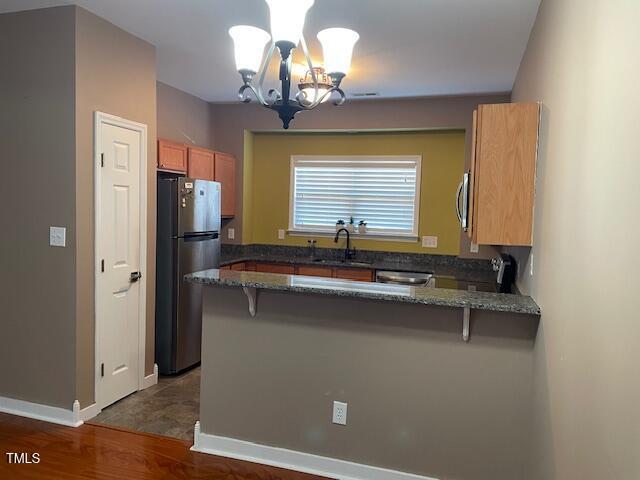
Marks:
<point>466,321</point>
<point>252,295</point>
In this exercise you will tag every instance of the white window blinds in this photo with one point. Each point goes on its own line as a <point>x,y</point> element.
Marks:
<point>382,191</point>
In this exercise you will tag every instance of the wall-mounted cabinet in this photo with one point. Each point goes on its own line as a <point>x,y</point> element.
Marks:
<point>172,156</point>
<point>225,173</point>
<point>203,164</point>
<point>498,194</point>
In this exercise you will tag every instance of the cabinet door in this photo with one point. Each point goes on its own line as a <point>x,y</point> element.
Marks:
<point>172,156</point>
<point>472,181</point>
<point>315,271</point>
<point>358,274</point>
<point>505,168</point>
<point>239,266</point>
<point>225,173</point>
<point>275,268</point>
<point>201,164</point>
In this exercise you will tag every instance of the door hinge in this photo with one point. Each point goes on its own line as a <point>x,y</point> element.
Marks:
<point>102,369</point>
<point>102,265</point>
<point>102,159</point>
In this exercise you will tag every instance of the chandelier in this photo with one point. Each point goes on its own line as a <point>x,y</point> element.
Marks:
<point>319,84</point>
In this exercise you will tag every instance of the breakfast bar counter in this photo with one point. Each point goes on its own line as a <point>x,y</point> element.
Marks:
<point>282,348</point>
<point>442,297</point>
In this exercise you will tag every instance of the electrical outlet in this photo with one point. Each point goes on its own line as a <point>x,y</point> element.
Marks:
<point>475,248</point>
<point>339,413</point>
<point>430,242</point>
<point>57,236</point>
<point>281,234</point>
<point>231,233</point>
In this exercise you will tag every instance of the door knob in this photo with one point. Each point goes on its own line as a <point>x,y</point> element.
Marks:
<point>135,276</point>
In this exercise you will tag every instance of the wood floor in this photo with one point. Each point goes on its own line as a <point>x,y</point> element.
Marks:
<point>110,453</point>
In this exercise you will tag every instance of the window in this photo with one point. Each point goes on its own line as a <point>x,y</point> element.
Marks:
<point>384,191</point>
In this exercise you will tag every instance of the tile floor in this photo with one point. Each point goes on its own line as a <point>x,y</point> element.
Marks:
<point>169,408</point>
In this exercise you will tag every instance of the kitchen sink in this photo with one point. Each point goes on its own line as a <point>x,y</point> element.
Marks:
<point>344,262</point>
<point>404,278</point>
<point>357,264</point>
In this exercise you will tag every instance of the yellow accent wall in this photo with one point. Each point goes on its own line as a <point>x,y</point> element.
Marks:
<point>267,173</point>
<point>247,189</point>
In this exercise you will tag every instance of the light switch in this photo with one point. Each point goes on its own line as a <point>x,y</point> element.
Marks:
<point>475,248</point>
<point>430,242</point>
<point>58,236</point>
<point>231,233</point>
<point>281,234</point>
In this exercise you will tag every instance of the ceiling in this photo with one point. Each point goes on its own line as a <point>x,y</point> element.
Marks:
<point>407,48</point>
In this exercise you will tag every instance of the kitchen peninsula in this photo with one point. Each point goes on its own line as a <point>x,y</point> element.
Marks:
<point>442,297</point>
<point>393,353</point>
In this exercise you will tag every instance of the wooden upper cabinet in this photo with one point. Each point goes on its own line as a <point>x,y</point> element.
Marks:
<point>225,173</point>
<point>472,200</point>
<point>201,164</point>
<point>172,156</point>
<point>503,170</point>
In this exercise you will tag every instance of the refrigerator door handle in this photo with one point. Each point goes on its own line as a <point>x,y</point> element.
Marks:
<point>200,237</point>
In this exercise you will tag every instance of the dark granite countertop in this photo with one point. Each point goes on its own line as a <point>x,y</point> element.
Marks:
<point>443,297</point>
<point>470,270</point>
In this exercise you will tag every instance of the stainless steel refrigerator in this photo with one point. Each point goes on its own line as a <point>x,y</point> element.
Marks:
<point>187,241</point>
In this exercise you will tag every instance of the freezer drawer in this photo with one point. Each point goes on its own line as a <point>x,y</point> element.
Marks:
<point>194,254</point>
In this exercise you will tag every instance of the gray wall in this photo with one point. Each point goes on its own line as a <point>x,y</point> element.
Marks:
<point>116,74</point>
<point>420,399</point>
<point>231,121</point>
<point>582,62</point>
<point>37,135</point>
<point>59,65</point>
<point>184,118</point>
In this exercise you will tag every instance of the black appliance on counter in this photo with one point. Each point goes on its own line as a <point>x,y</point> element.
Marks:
<point>187,241</point>
<point>505,267</point>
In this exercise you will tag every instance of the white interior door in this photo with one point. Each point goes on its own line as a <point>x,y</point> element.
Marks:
<point>118,232</point>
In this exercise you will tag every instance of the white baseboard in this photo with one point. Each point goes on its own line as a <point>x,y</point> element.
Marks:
<point>87,413</point>
<point>61,416</point>
<point>293,460</point>
<point>151,380</point>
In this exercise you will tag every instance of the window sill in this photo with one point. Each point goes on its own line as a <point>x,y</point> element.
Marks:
<point>368,236</point>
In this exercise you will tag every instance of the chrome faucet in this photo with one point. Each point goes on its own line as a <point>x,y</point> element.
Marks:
<point>348,251</point>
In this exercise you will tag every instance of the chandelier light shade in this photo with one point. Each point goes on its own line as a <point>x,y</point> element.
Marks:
<point>287,19</point>
<point>287,24</point>
<point>337,48</point>
<point>249,43</point>
<point>307,87</point>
